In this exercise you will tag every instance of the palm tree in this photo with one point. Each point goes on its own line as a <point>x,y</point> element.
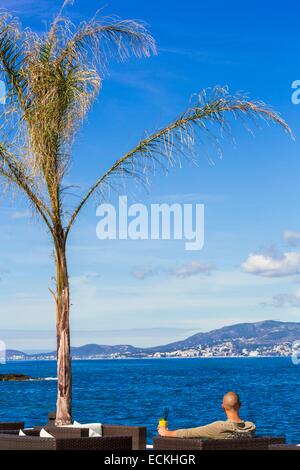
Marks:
<point>52,80</point>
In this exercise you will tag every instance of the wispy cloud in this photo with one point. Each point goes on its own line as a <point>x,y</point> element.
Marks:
<point>20,215</point>
<point>194,268</point>
<point>3,273</point>
<point>28,7</point>
<point>188,198</point>
<point>83,278</point>
<point>144,272</point>
<point>291,238</point>
<point>284,300</point>
<point>141,81</point>
<point>197,54</point>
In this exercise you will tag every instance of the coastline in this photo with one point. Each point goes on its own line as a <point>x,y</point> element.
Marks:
<point>147,358</point>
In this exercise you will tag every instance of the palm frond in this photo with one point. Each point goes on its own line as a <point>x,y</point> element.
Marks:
<point>11,56</point>
<point>15,172</point>
<point>213,111</point>
<point>67,97</point>
<point>53,79</point>
<point>107,36</point>
<point>52,39</point>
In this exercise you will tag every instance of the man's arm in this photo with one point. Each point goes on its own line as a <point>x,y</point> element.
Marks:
<point>164,432</point>
<point>209,431</point>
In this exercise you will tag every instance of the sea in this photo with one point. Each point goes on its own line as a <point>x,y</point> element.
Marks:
<point>137,391</point>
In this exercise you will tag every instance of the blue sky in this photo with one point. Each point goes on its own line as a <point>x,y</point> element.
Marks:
<point>128,291</point>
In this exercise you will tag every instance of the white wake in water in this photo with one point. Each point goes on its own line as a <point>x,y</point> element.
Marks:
<point>42,378</point>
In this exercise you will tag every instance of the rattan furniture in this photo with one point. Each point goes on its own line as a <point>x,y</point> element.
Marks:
<point>255,443</point>
<point>30,442</point>
<point>137,433</point>
<point>63,432</point>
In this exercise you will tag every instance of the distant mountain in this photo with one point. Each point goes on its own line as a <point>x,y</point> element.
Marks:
<point>14,354</point>
<point>102,350</point>
<point>244,339</point>
<point>264,333</point>
<point>88,350</point>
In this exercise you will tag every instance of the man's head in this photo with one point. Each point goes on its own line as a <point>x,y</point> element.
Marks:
<point>231,403</point>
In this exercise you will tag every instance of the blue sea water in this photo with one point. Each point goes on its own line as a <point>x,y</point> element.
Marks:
<point>137,391</point>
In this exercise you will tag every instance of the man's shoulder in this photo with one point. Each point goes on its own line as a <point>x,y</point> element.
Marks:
<point>242,426</point>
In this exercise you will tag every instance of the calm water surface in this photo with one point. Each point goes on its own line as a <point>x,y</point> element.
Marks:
<point>137,391</point>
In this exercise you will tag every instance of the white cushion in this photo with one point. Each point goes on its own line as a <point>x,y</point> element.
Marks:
<point>94,433</point>
<point>44,433</point>
<point>96,427</point>
<point>21,433</point>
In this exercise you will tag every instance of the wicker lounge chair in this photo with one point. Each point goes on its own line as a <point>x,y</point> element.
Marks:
<point>137,433</point>
<point>11,427</point>
<point>256,443</point>
<point>284,447</point>
<point>31,442</point>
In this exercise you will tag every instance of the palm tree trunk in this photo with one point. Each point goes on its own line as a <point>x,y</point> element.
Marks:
<point>64,369</point>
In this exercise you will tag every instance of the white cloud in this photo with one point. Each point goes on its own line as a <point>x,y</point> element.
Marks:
<point>272,265</point>
<point>292,238</point>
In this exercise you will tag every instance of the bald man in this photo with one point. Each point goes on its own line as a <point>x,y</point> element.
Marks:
<point>233,427</point>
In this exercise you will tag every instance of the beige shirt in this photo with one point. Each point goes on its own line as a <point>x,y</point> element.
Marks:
<point>218,430</point>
